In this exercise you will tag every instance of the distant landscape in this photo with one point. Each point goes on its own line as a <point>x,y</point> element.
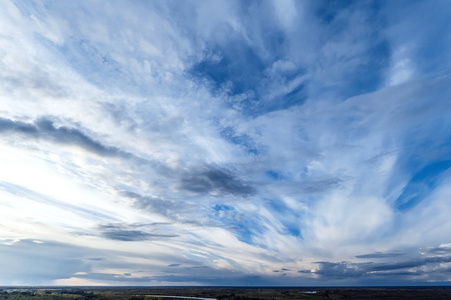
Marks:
<point>223,293</point>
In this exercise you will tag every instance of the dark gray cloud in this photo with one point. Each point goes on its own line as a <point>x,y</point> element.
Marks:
<point>173,265</point>
<point>213,179</point>
<point>347,270</point>
<point>381,255</point>
<point>119,114</point>
<point>310,186</point>
<point>44,128</point>
<point>339,270</point>
<point>321,185</point>
<point>178,210</point>
<point>437,250</point>
<point>128,233</point>
<point>155,204</point>
<point>131,235</point>
<point>410,264</point>
<point>281,270</point>
<point>397,266</point>
<point>17,126</point>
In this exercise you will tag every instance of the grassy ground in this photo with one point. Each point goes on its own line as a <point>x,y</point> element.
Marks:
<point>222,293</point>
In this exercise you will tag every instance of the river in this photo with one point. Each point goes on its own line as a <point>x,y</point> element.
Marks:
<point>181,297</point>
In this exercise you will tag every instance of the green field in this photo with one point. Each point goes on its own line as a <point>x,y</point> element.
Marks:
<point>220,293</point>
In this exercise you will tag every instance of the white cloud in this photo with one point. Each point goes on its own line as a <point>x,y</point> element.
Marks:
<point>108,141</point>
<point>286,11</point>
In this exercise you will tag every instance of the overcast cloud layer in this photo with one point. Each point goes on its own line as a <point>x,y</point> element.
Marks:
<point>225,142</point>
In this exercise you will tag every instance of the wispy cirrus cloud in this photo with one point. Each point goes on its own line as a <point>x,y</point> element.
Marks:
<point>226,138</point>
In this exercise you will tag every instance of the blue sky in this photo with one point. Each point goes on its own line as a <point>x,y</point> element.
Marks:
<point>225,142</point>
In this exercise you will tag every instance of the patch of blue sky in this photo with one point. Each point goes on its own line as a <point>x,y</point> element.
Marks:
<point>430,54</point>
<point>260,23</point>
<point>421,185</point>
<point>327,11</point>
<point>222,207</point>
<point>431,42</point>
<point>355,74</point>
<point>236,68</point>
<point>371,74</point>
<point>285,216</point>
<point>294,97</point>
<point>426,149</point>
<point>244,227</point>
<point>246,77</point>
<point>244,234</point>
<point>243,140</point>
<point>429,141</point>
<point>275,175</point>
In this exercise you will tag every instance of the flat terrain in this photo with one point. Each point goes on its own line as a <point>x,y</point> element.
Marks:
<point>221,293</point>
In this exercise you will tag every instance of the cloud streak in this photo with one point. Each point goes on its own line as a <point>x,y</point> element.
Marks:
<point>45,129</point>
<point>118,232</point>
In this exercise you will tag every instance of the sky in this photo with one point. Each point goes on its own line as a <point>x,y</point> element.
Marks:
<point>257,143</point>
